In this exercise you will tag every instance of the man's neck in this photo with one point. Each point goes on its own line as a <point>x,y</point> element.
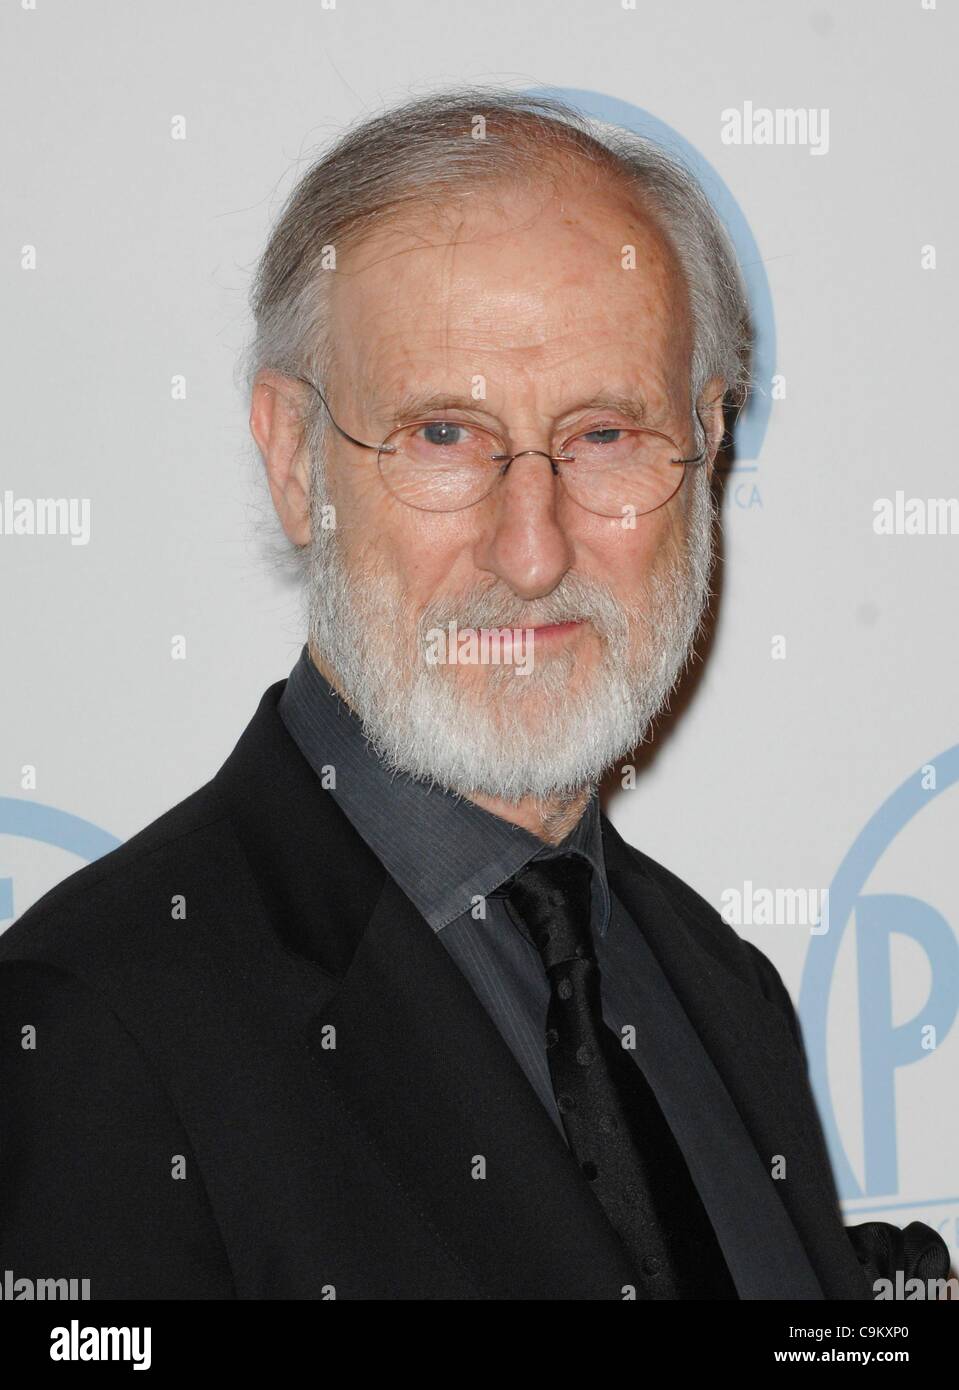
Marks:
<point>550,820</point>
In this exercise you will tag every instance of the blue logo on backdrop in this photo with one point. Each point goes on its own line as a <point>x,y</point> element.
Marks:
<point>30,820</point>
<point>754,419</point>
<point>884,1047</point>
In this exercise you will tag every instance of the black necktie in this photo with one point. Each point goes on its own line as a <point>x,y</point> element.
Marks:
<point>615,1128</point>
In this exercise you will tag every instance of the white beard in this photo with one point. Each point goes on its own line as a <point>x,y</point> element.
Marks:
<point>496,732</point>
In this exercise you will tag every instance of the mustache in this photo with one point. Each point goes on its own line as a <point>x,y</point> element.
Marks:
<point>575,599</point>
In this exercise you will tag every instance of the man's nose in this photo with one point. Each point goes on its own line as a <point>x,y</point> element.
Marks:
<point>525,544</point>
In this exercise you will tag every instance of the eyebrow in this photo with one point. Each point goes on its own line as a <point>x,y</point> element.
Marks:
<point>420,405</point>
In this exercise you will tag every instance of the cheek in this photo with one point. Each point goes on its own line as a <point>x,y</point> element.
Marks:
<point>425,553</point>
<point>362,519</point>
<point>623,556</point>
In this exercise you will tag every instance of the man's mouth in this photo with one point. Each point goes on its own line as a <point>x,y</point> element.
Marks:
<point>497,646</point>
<point>551,631</point>
<point>527,635</point>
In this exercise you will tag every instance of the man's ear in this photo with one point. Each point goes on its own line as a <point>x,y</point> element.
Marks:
<point>276,423</point>
<point>711,413</point>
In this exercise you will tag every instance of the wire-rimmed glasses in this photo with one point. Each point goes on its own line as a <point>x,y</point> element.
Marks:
<point>447,465</point>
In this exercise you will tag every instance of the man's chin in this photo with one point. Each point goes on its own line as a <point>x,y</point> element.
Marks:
<point>541,687</point>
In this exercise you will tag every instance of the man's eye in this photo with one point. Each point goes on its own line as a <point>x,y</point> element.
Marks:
<point>604,436</point>
<point>443,432</point>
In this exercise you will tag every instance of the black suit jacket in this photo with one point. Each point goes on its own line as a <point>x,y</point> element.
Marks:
<point>184,1126</point>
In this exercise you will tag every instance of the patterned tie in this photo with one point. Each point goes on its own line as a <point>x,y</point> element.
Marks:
<point>615,1128</point>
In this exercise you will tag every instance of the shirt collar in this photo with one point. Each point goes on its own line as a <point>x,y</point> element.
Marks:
<point>445,852</point>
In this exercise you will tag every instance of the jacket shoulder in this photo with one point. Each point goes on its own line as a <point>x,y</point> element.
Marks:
<point>100,892</point>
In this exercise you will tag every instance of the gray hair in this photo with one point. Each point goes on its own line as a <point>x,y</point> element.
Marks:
<point>420,153</point>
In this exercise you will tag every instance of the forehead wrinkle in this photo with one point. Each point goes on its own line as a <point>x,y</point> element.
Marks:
<point>396,376</point>
<point>403,238</point>
<point>573,372</point>
<point>386,243</point>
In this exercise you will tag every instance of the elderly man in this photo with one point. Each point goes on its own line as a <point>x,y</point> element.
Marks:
<point>388,1009</point>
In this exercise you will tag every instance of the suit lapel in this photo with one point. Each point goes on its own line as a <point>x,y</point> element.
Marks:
<point>754,1057</point>
<point>454,1122</point>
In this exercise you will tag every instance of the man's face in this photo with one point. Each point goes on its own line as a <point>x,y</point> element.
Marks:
<point>531,303</point>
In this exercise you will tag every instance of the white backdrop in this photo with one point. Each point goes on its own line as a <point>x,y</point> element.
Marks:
<point>819,747</point>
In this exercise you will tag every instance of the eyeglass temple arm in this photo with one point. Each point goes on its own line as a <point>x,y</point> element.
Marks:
<point>700,458</point>
<point>375,448</point>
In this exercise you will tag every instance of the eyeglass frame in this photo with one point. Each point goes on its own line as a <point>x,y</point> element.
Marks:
<point>507,459</point>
